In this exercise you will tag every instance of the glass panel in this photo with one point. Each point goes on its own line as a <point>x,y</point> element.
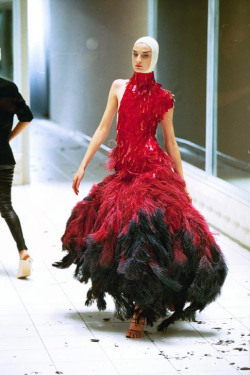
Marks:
<point>39,57</point>
<point>6,63</point>
<point>233,155</point>
<point>182,35</point>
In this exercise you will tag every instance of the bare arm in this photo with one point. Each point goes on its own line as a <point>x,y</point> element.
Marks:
<point>171,145</point>
<point>99,136</point>
<point>18,129</point>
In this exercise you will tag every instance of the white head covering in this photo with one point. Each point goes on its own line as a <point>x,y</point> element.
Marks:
<point>153,44</point>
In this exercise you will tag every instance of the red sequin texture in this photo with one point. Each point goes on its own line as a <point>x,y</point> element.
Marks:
<point>142,108</point>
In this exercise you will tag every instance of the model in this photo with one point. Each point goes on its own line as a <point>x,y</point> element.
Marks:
<point>137,235</point>
<point>12,103</point>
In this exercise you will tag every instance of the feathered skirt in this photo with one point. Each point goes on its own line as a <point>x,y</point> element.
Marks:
<point>138,238</point>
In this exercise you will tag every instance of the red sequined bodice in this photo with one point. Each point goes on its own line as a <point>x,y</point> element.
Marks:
<point>142,107</point>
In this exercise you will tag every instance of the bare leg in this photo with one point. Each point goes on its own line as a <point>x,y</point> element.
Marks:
<point>136,327</point>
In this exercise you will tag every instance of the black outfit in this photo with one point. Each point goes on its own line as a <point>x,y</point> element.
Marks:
<point>11,103</point>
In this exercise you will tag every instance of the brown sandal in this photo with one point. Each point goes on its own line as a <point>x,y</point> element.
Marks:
<point>136,333</point>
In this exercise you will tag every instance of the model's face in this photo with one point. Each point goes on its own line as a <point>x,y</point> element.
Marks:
<point>141,57</point>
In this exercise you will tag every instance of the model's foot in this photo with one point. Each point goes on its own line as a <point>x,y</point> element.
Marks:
<point>170,307</point>
<point>136,327</point>
<point>25,263</point>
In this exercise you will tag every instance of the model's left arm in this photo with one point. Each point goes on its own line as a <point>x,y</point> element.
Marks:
<point>171,145</point>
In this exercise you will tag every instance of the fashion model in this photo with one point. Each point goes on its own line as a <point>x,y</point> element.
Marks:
<point>137,235</point>
<point>12,103</point>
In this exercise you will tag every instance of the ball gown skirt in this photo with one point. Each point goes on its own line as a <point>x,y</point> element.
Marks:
<point>136,236</point>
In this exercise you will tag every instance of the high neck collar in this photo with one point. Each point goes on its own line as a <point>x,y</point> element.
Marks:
<point>143,79</point>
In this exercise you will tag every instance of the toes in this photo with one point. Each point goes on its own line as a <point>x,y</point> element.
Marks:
<point>133,334</point>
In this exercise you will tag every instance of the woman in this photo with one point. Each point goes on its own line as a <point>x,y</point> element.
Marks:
<point>11,103</point>
<point>137,235</point>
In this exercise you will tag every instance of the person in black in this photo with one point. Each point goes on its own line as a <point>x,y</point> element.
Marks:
<point>11,103</point>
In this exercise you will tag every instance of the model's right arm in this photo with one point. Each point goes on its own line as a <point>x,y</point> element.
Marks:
<point>99,136</point>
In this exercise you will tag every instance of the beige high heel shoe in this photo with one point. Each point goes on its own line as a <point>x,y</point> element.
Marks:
<point>24,269</point>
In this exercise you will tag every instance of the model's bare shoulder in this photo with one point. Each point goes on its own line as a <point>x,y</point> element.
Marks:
<point>118,88</point>
<point>119,83</point>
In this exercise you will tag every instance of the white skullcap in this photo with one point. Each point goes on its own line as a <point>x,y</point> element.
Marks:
<point>153,44</point>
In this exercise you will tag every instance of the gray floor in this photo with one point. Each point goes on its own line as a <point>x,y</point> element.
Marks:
<point>45,326</point>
